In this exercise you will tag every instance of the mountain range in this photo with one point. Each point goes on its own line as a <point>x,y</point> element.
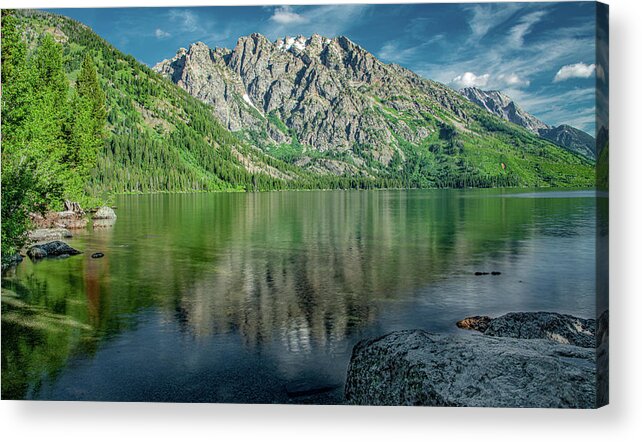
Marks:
<point>504,107</point>
<point>296,113</point>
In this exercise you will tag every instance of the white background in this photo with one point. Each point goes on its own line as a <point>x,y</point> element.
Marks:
<point>68,421</point>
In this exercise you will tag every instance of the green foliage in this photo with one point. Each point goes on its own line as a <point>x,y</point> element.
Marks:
<point>88,88</point>
<point>49,134</point>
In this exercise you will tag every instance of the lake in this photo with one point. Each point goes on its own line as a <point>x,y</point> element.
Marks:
<point>260,297</point>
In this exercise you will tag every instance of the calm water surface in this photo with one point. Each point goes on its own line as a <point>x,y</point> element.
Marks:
<point>260,297</point>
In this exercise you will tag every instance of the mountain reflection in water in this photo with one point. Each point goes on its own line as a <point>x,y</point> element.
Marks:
<point>235,297</point>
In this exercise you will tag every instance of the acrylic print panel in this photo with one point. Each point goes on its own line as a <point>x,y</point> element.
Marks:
<point>340,204</point>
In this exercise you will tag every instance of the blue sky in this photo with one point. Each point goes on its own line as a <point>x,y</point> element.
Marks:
<point>541,54</point>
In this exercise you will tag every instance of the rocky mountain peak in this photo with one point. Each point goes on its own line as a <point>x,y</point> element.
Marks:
<point>316,87</point>
<point>326,95</point>
<point>504,107</point>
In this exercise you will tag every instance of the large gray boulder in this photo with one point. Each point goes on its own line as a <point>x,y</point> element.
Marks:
<point>104,213</point>
<point>419,368</point>
<point>564,329</point>
<point>38,235</point>
<point>51,249</point>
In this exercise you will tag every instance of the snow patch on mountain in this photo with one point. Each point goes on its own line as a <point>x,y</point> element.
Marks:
<point>247,99</point>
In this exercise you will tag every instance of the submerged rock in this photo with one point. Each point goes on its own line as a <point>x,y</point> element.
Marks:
<point>478,323</point>
<point>419,368</point>
<point>556,327</point>
<point>51,249</point>
<point>49,234</point>
<point>305,387</point>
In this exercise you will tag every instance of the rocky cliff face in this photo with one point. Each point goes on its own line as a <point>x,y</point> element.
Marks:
<point>329,106</point>
<point>572,139</point>
<point>204,74</point>
<point>504,107</point>
<point>326,93</point>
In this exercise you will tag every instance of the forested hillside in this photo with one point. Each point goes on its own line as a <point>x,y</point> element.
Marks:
<point>159,138</point>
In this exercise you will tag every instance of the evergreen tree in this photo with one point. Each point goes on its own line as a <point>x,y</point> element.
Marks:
<point>22,188</point>
<point>88,87</point>
<point>50,137</point>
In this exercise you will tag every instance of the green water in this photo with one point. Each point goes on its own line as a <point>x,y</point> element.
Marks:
<point>259,297</point>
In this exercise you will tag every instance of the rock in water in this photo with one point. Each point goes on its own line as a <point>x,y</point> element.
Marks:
<point>53,248</point>
<point>97,255</point>
<point>104,213</point>
<point>418,368</point>
<point>478,323</point>
<point>36,253</point>
<point>49,234</point>
<point>565,329</point>
<point>11,261</point>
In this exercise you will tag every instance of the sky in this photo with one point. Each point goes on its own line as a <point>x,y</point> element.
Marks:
<point>540,54</point>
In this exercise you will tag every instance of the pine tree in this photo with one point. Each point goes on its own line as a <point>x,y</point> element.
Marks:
<point>15,88</point>
<point>88,87</point>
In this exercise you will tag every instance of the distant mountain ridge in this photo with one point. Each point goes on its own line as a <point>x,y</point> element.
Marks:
<point>328,105</point>
<point>504,107</point>
<point>564,135</point>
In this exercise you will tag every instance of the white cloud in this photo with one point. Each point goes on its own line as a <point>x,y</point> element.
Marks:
<point>395,51</point>
<point>186,19</point>
<point>329,20</point>
<point>512,80</point>
<point>390,51</point>
<point>484,17</point>
<point>285,15</point>
<point>160,34</point>
<point>577,70</point>
<point>469,79</point>
<point>501,81</point>
<point>523,28</point>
